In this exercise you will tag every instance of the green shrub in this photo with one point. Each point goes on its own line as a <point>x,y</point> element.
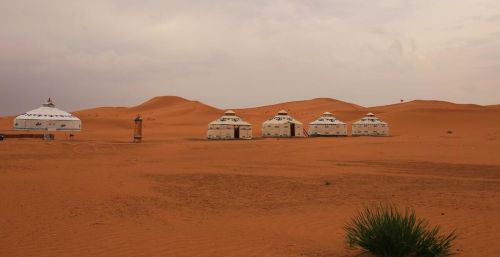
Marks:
<point>385,231</point>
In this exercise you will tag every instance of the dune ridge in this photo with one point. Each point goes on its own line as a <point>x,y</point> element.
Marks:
<point>178,194</point>
<point>173,116</point>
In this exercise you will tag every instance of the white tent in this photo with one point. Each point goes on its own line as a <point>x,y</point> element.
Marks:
<point>370,126</point>
<point>327,125</point>
<point>282,125</point>
<point>48,118</point>
<point>229,126</point>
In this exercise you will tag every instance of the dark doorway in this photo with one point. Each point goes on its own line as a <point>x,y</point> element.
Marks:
<point>292,129</point>
<point>236,132</point>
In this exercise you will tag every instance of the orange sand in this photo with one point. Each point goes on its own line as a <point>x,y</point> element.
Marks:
<point>178,194</point>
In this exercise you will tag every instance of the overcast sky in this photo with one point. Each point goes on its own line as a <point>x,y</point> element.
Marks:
<point>245,53</point>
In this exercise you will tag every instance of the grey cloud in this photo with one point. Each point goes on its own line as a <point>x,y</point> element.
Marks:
<point>121,52</point>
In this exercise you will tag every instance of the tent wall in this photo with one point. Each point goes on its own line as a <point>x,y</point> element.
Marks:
<point>328,130</point>
<point>53,125</point>
<point>227,132</point>
<point>370,130</point>
<point>299,130</point>
<point>245,132</point>
<point>281,130</point>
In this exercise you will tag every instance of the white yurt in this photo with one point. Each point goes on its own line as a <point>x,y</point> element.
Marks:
<point>327,125</point>
<point>229,126</point>
<point>47,118</point>
<point>282,125</point>
<point>370,126</point>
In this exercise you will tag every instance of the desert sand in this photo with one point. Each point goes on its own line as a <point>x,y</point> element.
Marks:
<point>177,194</point>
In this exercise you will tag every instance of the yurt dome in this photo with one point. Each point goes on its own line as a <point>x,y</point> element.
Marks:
<point>370,118</point>
<point>282,118</point>
<point>230,118</point>
<point>327,119</point>
<point>229,126</point>
<point>47,117</point>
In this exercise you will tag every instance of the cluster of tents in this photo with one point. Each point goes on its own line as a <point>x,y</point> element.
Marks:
<point>230,126</point>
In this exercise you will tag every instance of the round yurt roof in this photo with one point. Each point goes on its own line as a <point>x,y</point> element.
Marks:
<point>282,118</point>
<point>229,113</point>
<point>327,119</point>
<point>370,118</point>
<point>230,118</point>
<point>47,111</point>
<point>282,112</point>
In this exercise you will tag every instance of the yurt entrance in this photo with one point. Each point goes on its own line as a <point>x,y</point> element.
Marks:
<point>236,132</point>
<point>292,129</point>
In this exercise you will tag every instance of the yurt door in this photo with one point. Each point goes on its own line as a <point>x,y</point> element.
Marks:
<point>236,132</point>
<point>292,129</point>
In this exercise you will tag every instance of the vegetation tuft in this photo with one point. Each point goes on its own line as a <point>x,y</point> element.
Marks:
<point>385,231</point>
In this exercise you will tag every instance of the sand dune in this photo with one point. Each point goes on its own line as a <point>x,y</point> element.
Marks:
<point>171,116</point>
<point>177,194</point>
<point>427,105</point>
<point>307,107</point>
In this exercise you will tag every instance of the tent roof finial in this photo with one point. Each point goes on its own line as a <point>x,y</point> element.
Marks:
<point>49,103</point>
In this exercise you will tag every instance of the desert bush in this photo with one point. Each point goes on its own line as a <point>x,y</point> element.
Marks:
<point>386,231</point>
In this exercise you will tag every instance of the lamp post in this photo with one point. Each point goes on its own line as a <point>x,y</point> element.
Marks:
<point>138,129</point>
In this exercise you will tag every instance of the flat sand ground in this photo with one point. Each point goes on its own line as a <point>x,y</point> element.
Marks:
<point>177,194</point>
